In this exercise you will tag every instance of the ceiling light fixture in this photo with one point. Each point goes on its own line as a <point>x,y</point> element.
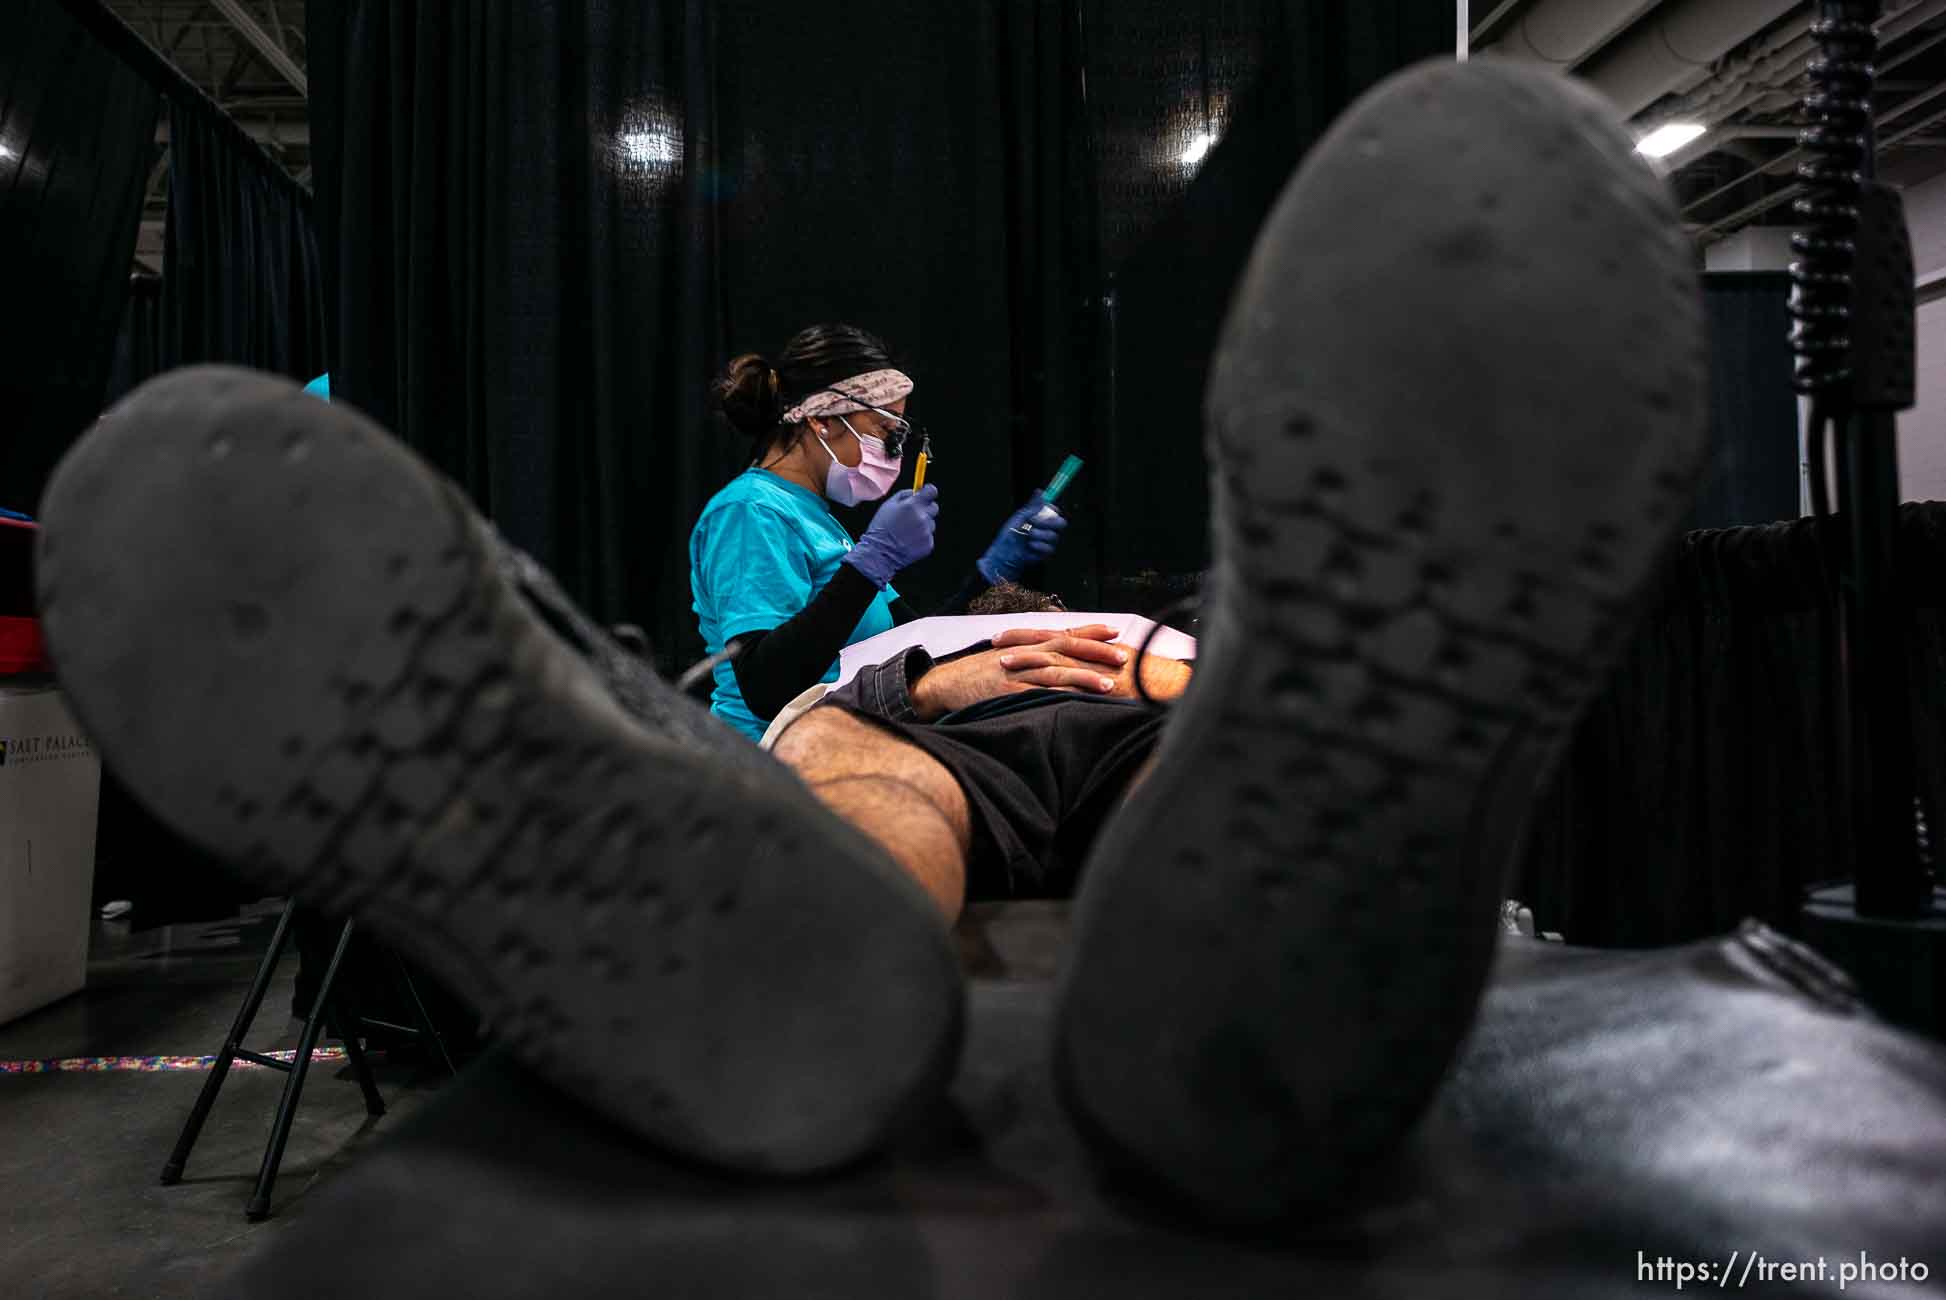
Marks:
<point>1199,145</point>
<point>1665,140</point>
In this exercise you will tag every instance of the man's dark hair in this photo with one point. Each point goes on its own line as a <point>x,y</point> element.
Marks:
<point>1012,598</point>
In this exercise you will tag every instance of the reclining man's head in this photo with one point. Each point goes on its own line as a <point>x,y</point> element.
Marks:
<point>1012,598</point>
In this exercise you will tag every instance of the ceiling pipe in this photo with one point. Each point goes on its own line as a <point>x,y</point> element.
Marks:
<point>1774,64</point>
<point>296,133</point>
<point>1677,46</point>
<point>1901,16</point>
<point>1745,152</point>
<point>1892,27</point>
<point>1475,38</point>
<point>1712,141</point>
<point>1786,96</point>
<point>1784,160</point>
<point>1727,225</point>
<point>1561,33</point>
<point>270,51</point>
<point>1762,78</point>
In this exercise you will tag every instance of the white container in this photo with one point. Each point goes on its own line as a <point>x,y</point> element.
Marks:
<point>50,789</point>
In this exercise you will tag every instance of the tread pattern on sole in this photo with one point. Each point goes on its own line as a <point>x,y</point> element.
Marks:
<point>1389,662</point>
<point>462,780</point>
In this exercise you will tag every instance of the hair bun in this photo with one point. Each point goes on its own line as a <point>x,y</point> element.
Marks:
<point>748,394</point>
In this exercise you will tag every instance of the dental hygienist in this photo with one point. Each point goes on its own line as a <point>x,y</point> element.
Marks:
<point>772,569</point>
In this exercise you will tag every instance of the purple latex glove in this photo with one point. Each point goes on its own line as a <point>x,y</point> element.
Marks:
<point>901,533</point>
<point>1028,537</point>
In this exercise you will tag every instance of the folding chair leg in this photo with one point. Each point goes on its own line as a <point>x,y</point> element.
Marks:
<point>427,1032</point>
<point>348,1023</point>
<point>220,1069</point>
<point>280,1130</point>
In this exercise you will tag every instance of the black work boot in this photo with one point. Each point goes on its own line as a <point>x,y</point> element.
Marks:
<point>1455,419</point>
<point>300,647</point>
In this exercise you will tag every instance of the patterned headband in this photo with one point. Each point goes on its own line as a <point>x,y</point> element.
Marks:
<point>873,388</point>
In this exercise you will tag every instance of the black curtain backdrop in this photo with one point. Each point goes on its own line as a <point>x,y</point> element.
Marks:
<point>80,95</point>
<point>1263,81</point>
<point>545,227</point>
<point>1753,476</point>
<point>240,270</point>
<point>76,131</point>
<point>1699,789</point>
<point>80,99</point>
<point>138,343</point>
<point>241,285</point>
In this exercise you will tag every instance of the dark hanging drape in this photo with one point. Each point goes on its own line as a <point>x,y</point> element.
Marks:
<point>76,129</point>
<point>240,272</point>
<point>1263,81</point>
<point>241,284</point>
<point>138,343</point>
<point>1753,471</point>
<point>545,227</point>
<point>80,95</point>
<point>1699,788</point>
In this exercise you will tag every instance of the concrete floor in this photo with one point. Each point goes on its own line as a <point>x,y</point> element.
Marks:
<point>81,1153</point>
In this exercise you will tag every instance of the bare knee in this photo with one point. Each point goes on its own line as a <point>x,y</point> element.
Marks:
<point>823,732</point>
<point>851,764</point>
<point>889,788</point>
<point>829,743</point>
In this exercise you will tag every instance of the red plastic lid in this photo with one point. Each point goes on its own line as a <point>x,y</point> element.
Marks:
<point>21,647</point>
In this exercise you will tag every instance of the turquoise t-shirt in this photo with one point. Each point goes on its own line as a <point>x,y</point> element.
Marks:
<point>762,549</point>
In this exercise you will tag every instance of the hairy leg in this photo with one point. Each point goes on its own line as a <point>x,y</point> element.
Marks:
<point>891,790</point>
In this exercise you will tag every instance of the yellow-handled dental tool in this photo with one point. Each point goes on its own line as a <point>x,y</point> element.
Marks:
<point>919,471</point>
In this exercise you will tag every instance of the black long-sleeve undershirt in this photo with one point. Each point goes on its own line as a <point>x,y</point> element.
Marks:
<point>776,664</point>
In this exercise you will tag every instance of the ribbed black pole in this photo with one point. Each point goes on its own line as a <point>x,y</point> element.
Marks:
<point>1891,879</point>
<point>1856,311</point>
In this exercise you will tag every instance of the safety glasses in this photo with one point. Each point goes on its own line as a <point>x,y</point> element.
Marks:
<point>897,430</point>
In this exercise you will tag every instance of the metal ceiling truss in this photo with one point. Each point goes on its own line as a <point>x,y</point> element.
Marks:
<point>1736,67</point>
<point>271,51</point>
<point>248,56</point>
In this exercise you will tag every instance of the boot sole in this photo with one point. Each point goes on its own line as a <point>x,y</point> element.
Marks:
<point>1430,525</point>
<point>289,638</point>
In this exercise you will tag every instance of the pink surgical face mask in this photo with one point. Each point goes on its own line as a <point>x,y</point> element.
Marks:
<point>871,478</point>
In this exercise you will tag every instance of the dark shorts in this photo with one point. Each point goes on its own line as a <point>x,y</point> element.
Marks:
<point>1042,771</point>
